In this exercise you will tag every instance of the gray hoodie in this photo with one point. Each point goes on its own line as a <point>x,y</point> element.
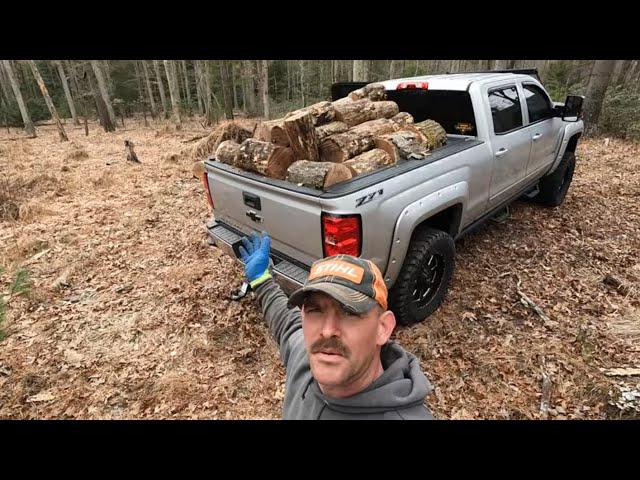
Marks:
<point>398,394</point>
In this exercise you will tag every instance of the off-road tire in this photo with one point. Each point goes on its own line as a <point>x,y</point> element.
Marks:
<point>554,188</point>
<point>426,244</point>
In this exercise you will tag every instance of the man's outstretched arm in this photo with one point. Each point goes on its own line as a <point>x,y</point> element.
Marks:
<point>282,321</point>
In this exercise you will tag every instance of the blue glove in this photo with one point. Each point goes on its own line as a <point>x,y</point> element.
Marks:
<point>256,258</point>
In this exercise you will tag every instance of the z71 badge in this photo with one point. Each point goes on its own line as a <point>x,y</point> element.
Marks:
<point>367,198</point>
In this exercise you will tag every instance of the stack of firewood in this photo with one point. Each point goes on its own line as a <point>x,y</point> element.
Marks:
<point>330,142</point>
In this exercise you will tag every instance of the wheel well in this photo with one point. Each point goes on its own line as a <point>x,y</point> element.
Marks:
<point>448,220</point>
<point>573,143</point>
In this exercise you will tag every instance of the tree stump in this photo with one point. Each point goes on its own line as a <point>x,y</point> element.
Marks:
<point>317,175</point>
<point>131,154</point>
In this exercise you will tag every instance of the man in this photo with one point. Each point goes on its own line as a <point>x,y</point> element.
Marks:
<point>333,336</point>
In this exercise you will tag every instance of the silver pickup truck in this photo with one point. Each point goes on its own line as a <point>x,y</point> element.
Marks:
<point>506,139</point>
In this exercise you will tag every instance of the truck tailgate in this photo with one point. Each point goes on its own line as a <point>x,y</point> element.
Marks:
<point>293,219</point>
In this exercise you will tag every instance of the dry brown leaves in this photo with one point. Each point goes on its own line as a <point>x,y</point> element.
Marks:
<point>129,315</point>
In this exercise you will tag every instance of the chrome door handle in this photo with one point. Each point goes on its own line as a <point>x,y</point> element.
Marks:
<point>501,152</point>
<point>537,136</point>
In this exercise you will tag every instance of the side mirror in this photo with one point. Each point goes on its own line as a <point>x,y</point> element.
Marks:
<point>573,108</point>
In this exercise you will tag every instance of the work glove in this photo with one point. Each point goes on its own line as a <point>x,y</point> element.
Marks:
<point>255,256</point>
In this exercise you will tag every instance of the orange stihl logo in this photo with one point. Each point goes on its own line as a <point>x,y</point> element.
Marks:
<point>339,269</point>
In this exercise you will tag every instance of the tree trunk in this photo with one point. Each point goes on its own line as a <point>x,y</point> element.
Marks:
<point>210,112</point>
<point>163,97</point>
<point>47,99</point>
<point>596,89</point>
<point>368,162</point>
<point>199,95</point>
<point>501,64</point>
<point>302,136</point>
<point>264,158</point>
<point>354,112</point>
<point>395,69</point>
<point>26,119</point>
<point>6,86</point>
<point>147,82</point>
<point>172,80</point>
<point>227,95</point>
<point>232,74</point>
<point>263,79</point>
<point>106,71</point>
<point>317,174</point>
<point>138,76</point>
<point>249,74</point>
<point>187,87</point>
<point>103,113</point>
<point>67,93</point>
<point>103,90</point>
<point>361,70</point>
<point>302,84</point>
<point>75,86</point>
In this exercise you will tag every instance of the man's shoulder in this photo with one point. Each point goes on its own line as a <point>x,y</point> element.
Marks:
<point>417,412</point>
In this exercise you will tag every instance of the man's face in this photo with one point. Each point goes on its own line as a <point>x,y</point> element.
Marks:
<point>342,346</point>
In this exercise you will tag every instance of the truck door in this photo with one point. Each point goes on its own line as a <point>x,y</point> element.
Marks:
<point>543,128</point>
<point>511,143</point>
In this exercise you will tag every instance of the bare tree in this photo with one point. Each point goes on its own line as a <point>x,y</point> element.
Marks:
<point>187,88</point>
<point>596,89</point>
<point>47,99</point>
<point>102,86</point>
<point>172,80</point>
<point>103,113</point>
<point>227,96</point>
<point>67,92</point>
<point>145,73</point>
<point>501,64</point>
<point>6,86</point>
<point>163,97</point>
<point>249,87</point>
<point>263,85</point>
<point>361,70</point>
<point>303,86</point>
<point>26,119</point>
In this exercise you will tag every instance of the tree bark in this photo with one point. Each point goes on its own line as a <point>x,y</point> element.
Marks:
<point>302,84</point>
<point>317,175</point>
<point>403,118</point>
<point>343,146</point>
<point>103,90</point>
<point>368,162</point>
<point>47,99</point>
<point>67,93</point>
<point>302,136</point>
<point>321,112</point>
<point>386,109</point>
<point>26,119</point>
<point>264,158</point>
<point>147,82</point>
<point>172,80</point>
<point>374,128</point>
<point>409,145</point>
<point>163,97</point>
<point>6,86</point>
<point>199,95</point>
<point>249,75</point>
<point>596,89</point>
<point>374,92</point>
<point>227,95</point>
<point>227,152</point>
<point>329,129</point>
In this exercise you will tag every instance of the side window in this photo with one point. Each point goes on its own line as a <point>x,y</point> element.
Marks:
<point>538,103</point>
<point>505,109</point>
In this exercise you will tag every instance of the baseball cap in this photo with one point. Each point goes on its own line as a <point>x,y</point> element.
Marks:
<point>354,282</point>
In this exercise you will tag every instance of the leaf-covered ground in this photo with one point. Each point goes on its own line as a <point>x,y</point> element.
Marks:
<point>128,314</point>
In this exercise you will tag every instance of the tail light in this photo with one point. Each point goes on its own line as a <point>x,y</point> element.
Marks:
<point>341,234</point>
<point>413,86</point>
<point>205,183</point>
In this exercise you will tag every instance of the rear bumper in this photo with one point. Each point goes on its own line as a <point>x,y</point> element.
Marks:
<point>290,276</point>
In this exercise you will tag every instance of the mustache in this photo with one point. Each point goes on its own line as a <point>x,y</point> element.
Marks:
<point>332,343</point>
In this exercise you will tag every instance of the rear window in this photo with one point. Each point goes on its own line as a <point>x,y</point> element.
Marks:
<point>451,109</point>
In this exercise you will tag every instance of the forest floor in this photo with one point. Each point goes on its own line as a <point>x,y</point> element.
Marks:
<point>128,313</point>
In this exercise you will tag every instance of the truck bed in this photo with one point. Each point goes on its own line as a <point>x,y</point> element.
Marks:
<point>454,145</point>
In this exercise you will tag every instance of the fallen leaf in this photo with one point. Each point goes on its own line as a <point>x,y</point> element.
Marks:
<point>41,397</point>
